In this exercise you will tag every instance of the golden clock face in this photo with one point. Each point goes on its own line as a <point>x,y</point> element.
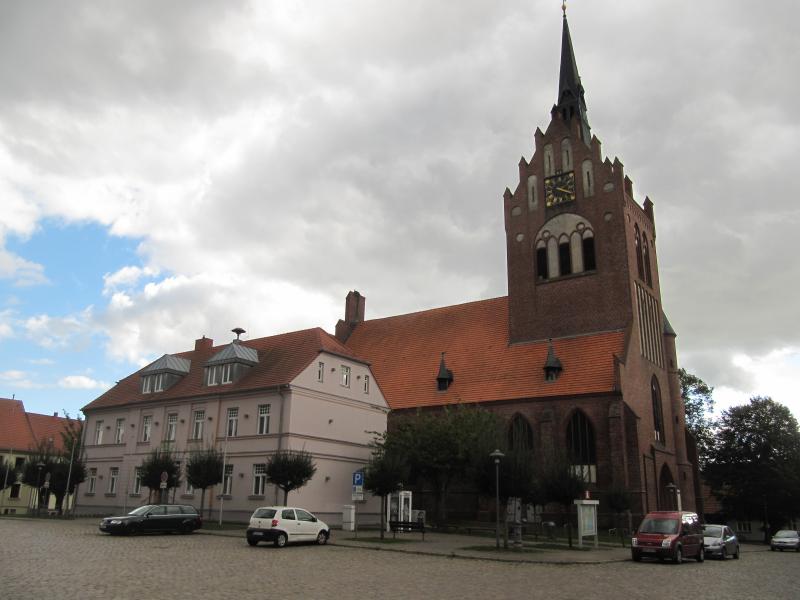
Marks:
<point>559,189</point>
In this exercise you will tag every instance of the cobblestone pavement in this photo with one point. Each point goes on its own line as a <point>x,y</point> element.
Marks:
<point>73,560</point>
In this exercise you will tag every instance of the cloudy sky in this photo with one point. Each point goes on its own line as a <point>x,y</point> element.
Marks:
<point>176,169</point>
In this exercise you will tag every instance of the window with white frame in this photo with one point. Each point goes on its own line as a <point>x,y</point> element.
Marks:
<point>259,479</point>
<point>197,424</point>
<point>153,383</point>
<point>321,372</point>
<point>227,373</point>
<point>366,384</point>
<point>220,374</point>
<point>233,422</point>
<point>263,419</point>
<point>119,431</point>
<point>113,475</point>
<point>345,376</point>
<point>172,427</point>
<point>92,481</point>
<point>137,480</point>
<point>227,480</point>
<point>147,426</point>
<point>98,433</point>
<point>212,375</point>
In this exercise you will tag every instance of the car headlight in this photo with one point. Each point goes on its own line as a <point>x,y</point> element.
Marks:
<point>666,543</point>
<point>115,522</point>
<point>634,542</point>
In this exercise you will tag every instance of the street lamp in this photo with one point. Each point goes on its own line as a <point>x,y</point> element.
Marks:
<point>497,455</point>
<point>39,466</point>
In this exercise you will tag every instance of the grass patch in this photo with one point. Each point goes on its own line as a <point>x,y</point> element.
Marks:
<point>378,540</point>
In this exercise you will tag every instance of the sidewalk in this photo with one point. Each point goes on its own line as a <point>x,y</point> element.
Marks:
<point>469,547</point>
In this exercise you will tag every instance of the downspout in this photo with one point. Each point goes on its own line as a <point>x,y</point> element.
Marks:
<point>646,494</point>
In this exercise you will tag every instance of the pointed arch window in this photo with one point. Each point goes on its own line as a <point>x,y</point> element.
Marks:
<point>564,257</point>
<point>658,413</point>
<point>549,163</point>
<point>566,155</point>
<point>589,259</point>
<point>520,433</point>
<point>542,271</point>
<point>638,242</point>
<point>582,448</point>
<point>648,274</point>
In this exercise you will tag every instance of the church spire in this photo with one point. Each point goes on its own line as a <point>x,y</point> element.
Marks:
<point>571,102</point>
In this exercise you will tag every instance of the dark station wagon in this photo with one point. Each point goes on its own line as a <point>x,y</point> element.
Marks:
<point>154,518</point>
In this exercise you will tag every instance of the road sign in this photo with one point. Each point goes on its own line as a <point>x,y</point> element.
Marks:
<point>358,478</point>
<point>164,476</point>
<point>163,485</point>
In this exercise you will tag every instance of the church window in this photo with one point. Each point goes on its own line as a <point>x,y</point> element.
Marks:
<point>549,166</point>
<point>648,274</point>
<point>581,445</point>
<point>520,433</point>
<point>533,198</point>
<point>564,257</point>
<point>541,262</point>
<point>658,414</point>
<point>588,179</point>
<point>589,260</point>
<point>566,155</point>
<point>638,242</point>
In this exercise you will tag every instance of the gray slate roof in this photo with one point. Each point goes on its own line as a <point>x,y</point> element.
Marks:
<point>170,364</point>
<point>235,352</point>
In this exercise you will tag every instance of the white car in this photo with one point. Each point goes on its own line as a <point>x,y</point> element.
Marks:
<point>283,524</point>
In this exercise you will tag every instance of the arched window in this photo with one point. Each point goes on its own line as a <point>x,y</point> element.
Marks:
<point>658,413</point>
<point>564,256</point>
<point>581,445</point>
<point>520,433</point>
<point>588,178</point>
<point>533,199</point>
<point>638,243</point>
<point>566,155</point>
<point>549,166</point>
<point>648,274</point>
<point>542,272</point>
<point>589,260</point>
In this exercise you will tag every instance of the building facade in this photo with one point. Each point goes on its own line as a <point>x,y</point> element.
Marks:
<point>579,352</point>
<point>248,399</point>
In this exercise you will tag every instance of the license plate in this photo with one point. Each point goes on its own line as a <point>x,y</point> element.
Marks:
<point>648,549</point>
<point>257,533</point>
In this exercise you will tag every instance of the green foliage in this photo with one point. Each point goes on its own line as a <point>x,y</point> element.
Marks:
<point>290,470</point>
<point>156,463</point>
<point>444,446</point>
<point>562,486</point>
<point>8,473</point>
<point>385,473</point>
<point>699,406</point>
<point>204,470</point>
<point>754,468</point>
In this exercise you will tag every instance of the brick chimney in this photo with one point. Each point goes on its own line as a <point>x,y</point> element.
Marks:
<point>204,343</point>
<point>354,306</point>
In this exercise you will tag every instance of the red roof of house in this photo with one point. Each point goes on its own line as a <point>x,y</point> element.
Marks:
<point>280,359</point>
<point>405,353</point>
<point>20,430</point>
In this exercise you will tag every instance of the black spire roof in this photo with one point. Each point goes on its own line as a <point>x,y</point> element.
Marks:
<point>571,102</point>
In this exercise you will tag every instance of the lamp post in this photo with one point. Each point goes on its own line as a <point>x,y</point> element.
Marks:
<point>39,466</point>
<point>497,455</point>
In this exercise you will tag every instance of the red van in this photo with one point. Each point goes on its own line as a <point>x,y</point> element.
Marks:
<point>669,534</point>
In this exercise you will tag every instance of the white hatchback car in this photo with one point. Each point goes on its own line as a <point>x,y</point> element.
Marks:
<point>283,524</point>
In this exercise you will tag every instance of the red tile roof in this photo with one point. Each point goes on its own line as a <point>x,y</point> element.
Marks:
<point>405,351</point>
<point>280,359</point>
<point>20,430</point>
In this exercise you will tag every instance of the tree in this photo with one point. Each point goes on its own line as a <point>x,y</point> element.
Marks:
<point>204,470</point>
<point>156,463</point>
<point>619,501</point>
<point>754,468</point>
<point>699,406</point>
<point>8,473</point>
<point>72,454</point>
<point>563,486</point>
<point>290,470</point>
<point>384,474</point>
<point>445,446</point>
<point>41,462</point>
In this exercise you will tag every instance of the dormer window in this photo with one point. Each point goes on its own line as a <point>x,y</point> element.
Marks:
<point>552,366</point>
<point>164,373</point>
<point>230,364</point>
<point>220,374</point>
<point>153,383</point>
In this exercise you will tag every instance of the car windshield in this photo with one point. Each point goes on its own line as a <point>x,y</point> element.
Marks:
<point>666,526</point>
<point>141,510</point>
<point>264,513</point>
<point>786,533</point>
<point>712,531</point>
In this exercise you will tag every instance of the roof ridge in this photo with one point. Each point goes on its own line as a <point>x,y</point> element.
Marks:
<point>437,309</point>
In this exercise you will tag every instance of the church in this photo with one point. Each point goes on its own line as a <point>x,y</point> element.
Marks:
<point>579,354</point>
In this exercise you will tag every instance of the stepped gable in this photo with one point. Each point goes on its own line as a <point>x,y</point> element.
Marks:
<point>405,354</point>
<point>281,358</point>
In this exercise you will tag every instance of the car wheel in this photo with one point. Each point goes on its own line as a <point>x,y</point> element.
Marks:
<point>678,557</point>
<point>701,554</point>
<point>772,548</point>
<point>736,554</point>
<point>724,554</point>
<point>280,541</point>
<point>636,555</point>
<point>252,542</point>
<point>322,538</point>
<point>133,530</point>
